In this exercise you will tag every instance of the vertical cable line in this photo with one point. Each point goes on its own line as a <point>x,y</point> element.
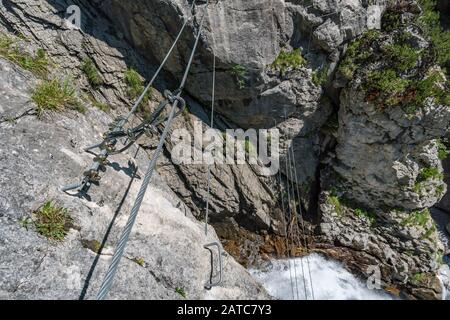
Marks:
<point>208,199</point>
<point>287,237</point>
<point>305,238</point>
<point>293,219</point>
<point>112,270</point>
<point>289,233</point>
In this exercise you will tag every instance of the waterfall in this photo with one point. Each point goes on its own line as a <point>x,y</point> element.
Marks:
<point>331,281</point>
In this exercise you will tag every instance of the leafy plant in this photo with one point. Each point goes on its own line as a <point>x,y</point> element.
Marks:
<point>181,292</point>
<point>239,73</point>
<point>52,221</point>
<point>55,95</point>
<point>92,73</point>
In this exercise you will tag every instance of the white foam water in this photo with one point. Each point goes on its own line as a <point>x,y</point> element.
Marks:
<point>331,281</point>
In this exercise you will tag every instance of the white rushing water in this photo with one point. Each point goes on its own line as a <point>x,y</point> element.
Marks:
<point>331,281</point>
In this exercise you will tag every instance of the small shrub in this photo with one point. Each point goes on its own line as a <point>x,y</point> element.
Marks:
<point>181,292</point>
<point>52,221</point>
<point>402,56</point>
<point>429,20</point>
<point>92,74</point>
<point>389,89</point>
<point>55,95</point>
<point>430,87</point>
<point>101,106</point>
<point>286,60</point>
<point>357,52</point>
<point>391,20</point>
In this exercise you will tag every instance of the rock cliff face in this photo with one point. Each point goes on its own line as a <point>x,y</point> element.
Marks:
<point>249,39</point>
<point>387,160</point>
<point>40,155</point>
<point>354,87</point>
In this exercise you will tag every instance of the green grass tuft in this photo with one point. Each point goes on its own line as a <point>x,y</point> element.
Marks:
<point>92,73</point>
<point>55,95</point>
<point>135,85</point>
<point>52,221</point>
<point>37,63</point>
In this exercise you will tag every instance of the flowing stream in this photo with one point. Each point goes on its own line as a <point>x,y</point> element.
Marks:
<point>331,281</point>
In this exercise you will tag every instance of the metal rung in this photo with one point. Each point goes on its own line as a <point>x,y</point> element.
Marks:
<point>211,284</point>
<point>95,146</point>
<point>76,186</point>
